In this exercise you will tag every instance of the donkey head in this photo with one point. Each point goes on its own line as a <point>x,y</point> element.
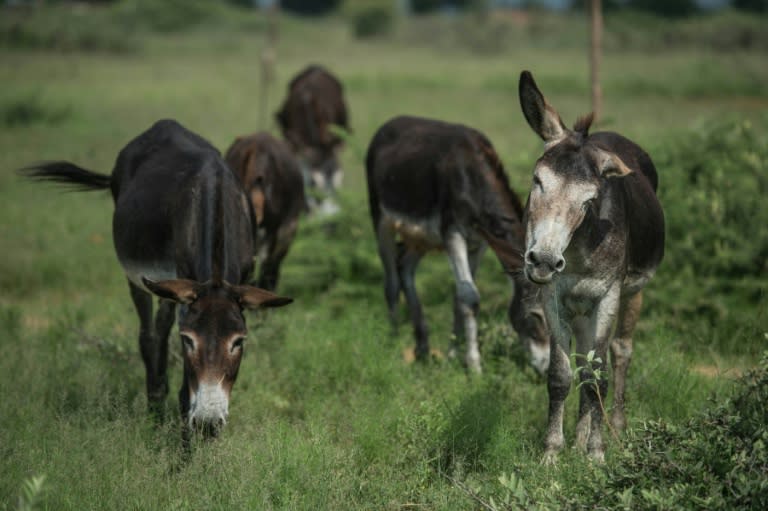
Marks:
<point>567,183</point>
<point>213,331</point>
<point>320,165</point>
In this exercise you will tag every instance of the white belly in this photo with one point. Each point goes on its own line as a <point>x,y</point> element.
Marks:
<point>421,234</point>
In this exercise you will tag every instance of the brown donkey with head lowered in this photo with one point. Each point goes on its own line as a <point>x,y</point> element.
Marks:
<point>314,103</point>
<point>441,186</point>
<point>183,231</point>
<point>594,234</point>
<point>272,179</point>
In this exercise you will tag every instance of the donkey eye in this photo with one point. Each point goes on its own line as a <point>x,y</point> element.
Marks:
<point>537,181</point>
<point>237,344</point>
<point>188,343</point>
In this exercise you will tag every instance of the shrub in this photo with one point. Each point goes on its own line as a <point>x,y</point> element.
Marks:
<point>713,188</point>
<point>712,185</point>
<point>28,109</point>
<point>65,28</point>
<point>371,18</point>
<point>168,15</point>
<point>717,460</point>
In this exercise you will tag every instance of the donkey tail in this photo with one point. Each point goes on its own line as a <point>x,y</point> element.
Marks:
<point>67,173</point>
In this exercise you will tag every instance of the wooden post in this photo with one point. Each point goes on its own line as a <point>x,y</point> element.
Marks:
<point>596,55</point>
<point>267,61</point>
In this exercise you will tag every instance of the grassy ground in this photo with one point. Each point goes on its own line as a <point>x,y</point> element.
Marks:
<point>326,413</point>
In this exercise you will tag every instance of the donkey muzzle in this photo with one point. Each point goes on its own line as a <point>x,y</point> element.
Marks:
<point>541,266</point>
<point>209,409</point>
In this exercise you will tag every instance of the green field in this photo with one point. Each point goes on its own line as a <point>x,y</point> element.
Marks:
<point>326,414</point>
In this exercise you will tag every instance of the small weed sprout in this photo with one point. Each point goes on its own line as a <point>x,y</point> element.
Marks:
<point>588,374</point>
<point>31,491</point>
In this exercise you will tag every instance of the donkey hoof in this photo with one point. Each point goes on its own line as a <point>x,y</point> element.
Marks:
<point>474,367</point>
<point>550,458</point>
<point>618,421</point>
<point>597,455</point>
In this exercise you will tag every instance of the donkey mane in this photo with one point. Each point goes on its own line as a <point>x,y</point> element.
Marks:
<point>498,171</point>
<point>583,124</point>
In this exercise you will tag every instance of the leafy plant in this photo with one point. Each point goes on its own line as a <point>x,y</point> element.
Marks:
<point>31,493</point>
<point>712,185</point>
<point>717,460</point>
<point>29,108</point>
<point>371,18</point>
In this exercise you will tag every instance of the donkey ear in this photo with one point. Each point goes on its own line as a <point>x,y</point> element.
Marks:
<point>180,290</point>
<point>252,297</point>
<point>610,165</point>
<point>541,117</point>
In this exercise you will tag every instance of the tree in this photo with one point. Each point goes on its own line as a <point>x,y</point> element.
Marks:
<point>751,5</point>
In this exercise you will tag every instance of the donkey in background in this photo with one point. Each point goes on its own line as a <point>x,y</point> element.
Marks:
<point>274,184</point>
<point>441,186</point>
<point>594,234</point>
<point>183,231</point>
<point>314,103</point>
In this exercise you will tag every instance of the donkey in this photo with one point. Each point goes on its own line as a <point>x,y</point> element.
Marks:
<point>441,186</point>
<point>315,101</point>
<point>592,205</point>
<point>274,184</point>
<point>183,231</point>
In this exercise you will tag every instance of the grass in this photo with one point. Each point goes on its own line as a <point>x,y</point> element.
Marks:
<point>326,414</point>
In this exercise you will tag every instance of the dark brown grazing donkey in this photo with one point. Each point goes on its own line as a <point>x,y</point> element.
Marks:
<point>272,179</point>
<point>315,101</point>
<point>441,186</point>
<point>594,238</point>
<point>182,230</point>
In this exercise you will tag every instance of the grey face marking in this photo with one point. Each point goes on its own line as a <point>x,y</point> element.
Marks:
<point>556,207</point>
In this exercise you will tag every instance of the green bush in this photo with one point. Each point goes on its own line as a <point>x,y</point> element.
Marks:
<point>29,108</point>
<point>727,30</point>
<point>65,28</point>
<point>371,18</point>
<point>168,15</point>
<point>116,27</point>
<point>717,460</point>
<point>712,185</point>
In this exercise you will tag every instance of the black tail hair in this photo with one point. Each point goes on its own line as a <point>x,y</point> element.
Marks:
<point>67,173</point>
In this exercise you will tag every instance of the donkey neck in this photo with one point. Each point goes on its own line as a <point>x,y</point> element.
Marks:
<point>214,228</point>
<point>598,246</point>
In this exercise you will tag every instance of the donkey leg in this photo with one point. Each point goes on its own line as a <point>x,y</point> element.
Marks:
<point>466,294</point>
<point>387,245</point>
<point>558,386</point>
<point>595,382</point>
<point>164,319</point>
<point>150,349</point>
<point>474,257</point>
<point>585,338</point>
<point>621,351</point>
<point>269,270</point>
<point>407,264</point>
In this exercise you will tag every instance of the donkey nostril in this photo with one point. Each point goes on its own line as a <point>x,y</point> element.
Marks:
<point>532,257</point>
<point>560,264</point>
